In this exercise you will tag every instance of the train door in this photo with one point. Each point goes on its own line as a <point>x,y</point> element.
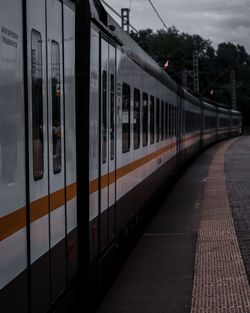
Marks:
<point>107,142</point>
<point>46,152</point>
<point>56,179</point>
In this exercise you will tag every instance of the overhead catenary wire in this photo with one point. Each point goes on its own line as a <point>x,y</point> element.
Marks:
<point>116,13</point>
<point>154,8</point>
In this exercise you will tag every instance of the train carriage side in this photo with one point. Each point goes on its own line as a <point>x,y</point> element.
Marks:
<point>37,153</point>
<point>192,124</point>
<point>209,124</point>
<point>223,123</point>
<point>236,122</point>
<point>132,140</point>
<point>152,109</point>
<point>13,210</point>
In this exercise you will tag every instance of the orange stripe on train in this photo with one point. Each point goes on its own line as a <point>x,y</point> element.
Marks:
<point>15,221</point>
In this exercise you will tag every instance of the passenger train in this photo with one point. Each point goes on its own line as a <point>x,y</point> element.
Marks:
<point>90,129</point>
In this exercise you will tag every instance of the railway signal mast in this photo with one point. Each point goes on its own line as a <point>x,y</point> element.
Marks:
<point>233,90</point>
<point>125,19</point>
<point>196,72</point>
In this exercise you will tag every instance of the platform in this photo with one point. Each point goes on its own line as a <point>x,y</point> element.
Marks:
<point>195,254</point>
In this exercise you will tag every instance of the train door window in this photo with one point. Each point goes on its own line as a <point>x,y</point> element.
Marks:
<point>189,121</point>
<point>37,105</point>
<point>166,120</point>
<point>56,106</point>
<point>137,118</point>
<point>104,116</point>
<point>170,120</point>
<point>157,119</point>
<point>174,120</point>
<point>112,116</point>
<point>187,115</point>
<point>186,121</point>
<point>125,118</point>
<point>152,120</point>
<point>145,119</point>
<point>162,119</point>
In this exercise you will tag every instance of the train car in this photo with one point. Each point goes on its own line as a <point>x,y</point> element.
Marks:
<point>38,219</point>
<point>192,124</point>
<point>209,129</point>
<point>223,123</point>
<point>92,129</point>
<point>236,123</point>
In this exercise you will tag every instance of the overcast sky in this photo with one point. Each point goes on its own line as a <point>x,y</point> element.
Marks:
<point>217,20</point>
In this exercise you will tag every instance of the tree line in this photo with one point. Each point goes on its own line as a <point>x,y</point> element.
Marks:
<point>215,66</point>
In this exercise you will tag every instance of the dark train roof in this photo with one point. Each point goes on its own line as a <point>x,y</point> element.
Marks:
<point>129,46</point>
<point>209,106</point>
<point>234,112</point>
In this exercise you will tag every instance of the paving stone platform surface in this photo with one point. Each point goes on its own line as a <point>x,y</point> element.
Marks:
<point>188,259</point>
<point>237,172</point>
<point>220,281</point>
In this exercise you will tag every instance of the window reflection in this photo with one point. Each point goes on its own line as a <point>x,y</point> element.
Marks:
<point>56,106</point>
<point>137,124</point>
<point>125,118</point>
<point>37,104</point>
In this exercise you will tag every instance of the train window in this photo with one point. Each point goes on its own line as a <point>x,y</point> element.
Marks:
<point>112,116</point>
<point>125,117</point>
<point>152,120</point>
<point>236,122</point>
<point>157,119</point>
<point>162,119</point>
<point>209,122</point>
<point>145,119</point>
<point>187,121</point>
<point>224,122</point>
<point>56,106</point>
<point>170,120</point>
<point>37,105</point>
<point>137,119</point>
<point>104,116</point>
<point>190,121</point>
<point>166,120</point>
<point>175,120</point>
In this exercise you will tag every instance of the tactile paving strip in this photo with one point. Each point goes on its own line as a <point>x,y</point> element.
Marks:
<point>220,281</point>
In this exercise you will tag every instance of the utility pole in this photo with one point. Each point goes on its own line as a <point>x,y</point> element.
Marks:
<point>184,78</point>
<point>233,90</point>
<point>196,72</point>
<point>125,19</point>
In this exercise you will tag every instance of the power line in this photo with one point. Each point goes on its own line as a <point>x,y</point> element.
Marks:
<point>154,8</point>
<point>116,13</point>
<point>214,81</point>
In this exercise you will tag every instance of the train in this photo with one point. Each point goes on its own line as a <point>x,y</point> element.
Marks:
<point>91,128</point>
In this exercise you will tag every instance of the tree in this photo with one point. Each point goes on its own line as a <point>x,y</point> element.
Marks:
<point>214,65</point>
